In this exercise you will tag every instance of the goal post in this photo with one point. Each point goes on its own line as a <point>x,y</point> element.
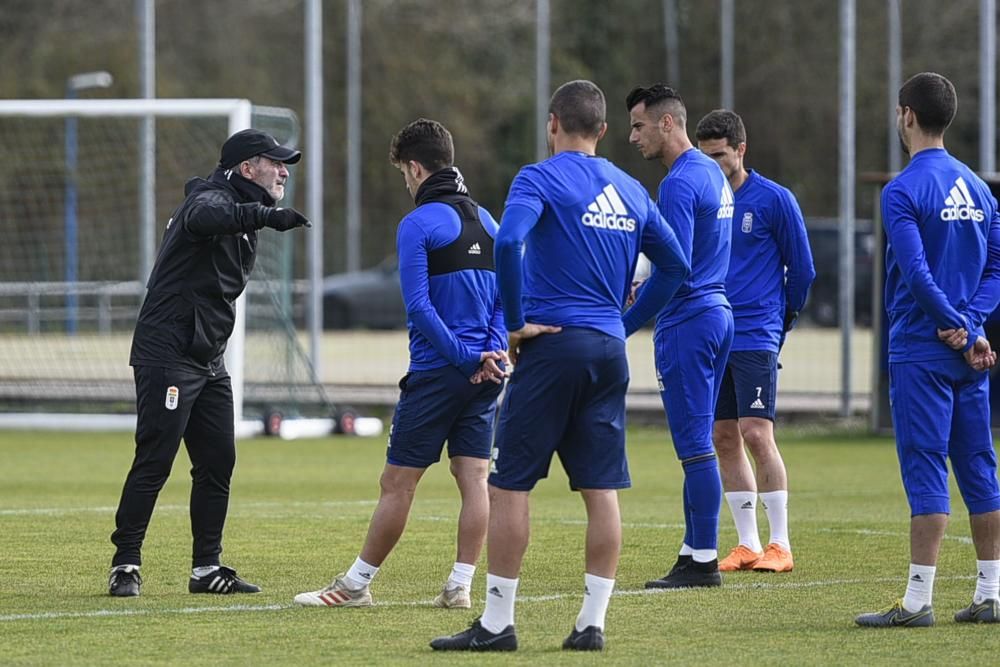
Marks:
<point>42,299</point>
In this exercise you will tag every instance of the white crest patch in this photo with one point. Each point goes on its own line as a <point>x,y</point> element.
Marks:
<point>747,226</point>
<point>173,393</point>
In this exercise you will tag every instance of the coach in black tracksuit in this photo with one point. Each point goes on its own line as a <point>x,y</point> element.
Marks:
<point>182,386</point>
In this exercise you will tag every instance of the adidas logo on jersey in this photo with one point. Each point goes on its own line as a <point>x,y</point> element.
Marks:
<point>474,249</point>
<point>608,211</point>
<point>958,205</point>
<point>725,202</point>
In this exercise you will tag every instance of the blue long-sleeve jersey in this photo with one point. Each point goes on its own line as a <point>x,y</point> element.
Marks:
<point>581,222</point>
<point>770,266</point>
<point>697,202</point>
<point>451,317</point>
<point>942,257</point>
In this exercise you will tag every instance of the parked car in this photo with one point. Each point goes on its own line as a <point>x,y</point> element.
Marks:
<point>823,306</point>
<point>368,299</point>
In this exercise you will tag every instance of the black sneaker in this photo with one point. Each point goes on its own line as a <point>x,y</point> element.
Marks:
<point>124,582</point>
<point>690,575</point>
<point>682,562</point>
<point>987,611</point>
<point>591,638</point>
<point>477,638</point>
<point>222,582</point>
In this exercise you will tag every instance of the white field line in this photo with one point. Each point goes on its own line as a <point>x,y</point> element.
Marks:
<point>63,511</point>
<point>527,599</point>
<point>889,533</point>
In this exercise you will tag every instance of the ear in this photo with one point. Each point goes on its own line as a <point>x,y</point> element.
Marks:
<point>741,150</point>
<point>909,118</point>
<point>553,124</point>
<point>666,123</point>
<point>602,131</point>
<point>414,168</point>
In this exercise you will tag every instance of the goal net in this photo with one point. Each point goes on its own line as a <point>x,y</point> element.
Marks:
<point>78,231</point>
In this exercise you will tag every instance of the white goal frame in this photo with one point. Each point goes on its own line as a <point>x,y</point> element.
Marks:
<point>239,114</point>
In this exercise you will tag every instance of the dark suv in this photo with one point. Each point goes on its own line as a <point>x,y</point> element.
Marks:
<point>369,299</point>
<point>823,306</point>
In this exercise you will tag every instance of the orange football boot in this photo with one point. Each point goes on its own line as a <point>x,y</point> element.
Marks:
<point>740,558</point>
<point>776,559</point>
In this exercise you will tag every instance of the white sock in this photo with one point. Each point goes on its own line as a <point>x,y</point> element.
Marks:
<point>919,587</point>
<point>204,570</point>
<point>500,594</point>
<point>987,580</point>
<point>776,507</point>
<point>360,574</point>
<point>743,505</point>
<point>596,596</point>
<point>461,575</point>
<point>685,550</point>
<point>127,567</point>
<point>704,555</point>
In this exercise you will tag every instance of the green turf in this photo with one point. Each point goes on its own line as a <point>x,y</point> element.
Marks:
<point>298,515</point>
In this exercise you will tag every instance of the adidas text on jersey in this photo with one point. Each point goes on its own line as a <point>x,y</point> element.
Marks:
<point>726,203</point>
<point>959,205</point>
<point>608,211</point>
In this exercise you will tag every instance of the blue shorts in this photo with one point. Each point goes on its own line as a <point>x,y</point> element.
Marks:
<point>437,405</point>
<point>566,396</point>
<point>749,385</point>
<point>690,360</point>
<point>940,410</point>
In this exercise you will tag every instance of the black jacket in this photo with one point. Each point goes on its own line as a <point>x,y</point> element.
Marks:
<point>204,263</point>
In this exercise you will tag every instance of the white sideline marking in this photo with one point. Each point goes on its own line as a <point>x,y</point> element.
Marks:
<point>61,511</point>
<point>101,613</point>
<point>565,522</point>
<point>889,533</point>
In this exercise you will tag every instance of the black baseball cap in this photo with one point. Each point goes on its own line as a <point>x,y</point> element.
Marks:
<point>246,144</point>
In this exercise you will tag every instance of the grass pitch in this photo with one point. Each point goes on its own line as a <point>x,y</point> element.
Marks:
<point>298,515</point>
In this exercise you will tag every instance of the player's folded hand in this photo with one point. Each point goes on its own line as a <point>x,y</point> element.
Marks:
<point>956,339</point>
<point>492,369</point>
<point>981,356</point>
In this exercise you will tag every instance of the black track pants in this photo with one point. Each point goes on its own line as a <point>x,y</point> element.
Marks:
<point>172,404</point>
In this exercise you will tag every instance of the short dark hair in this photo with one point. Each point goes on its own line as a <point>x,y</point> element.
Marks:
<point>580,107</point>
<point>425,141</point>
<point>932,99</point>
<point>660,98</point>
<point>722,124</point>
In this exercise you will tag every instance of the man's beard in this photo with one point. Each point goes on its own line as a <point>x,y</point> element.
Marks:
<point>902,141</point>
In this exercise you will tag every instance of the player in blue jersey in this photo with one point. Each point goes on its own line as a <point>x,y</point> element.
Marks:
<point>770,271</point>
<point>942,280</point>
<point>581,223</point>
<point>695,330</point>
<point>457,341</point>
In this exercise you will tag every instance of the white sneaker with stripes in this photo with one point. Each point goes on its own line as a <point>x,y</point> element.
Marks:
<point>337,594</point>
<point>453,597</point>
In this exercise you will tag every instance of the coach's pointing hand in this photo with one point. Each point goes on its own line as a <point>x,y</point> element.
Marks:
<point>283,219</point>
<point>529,330</point>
